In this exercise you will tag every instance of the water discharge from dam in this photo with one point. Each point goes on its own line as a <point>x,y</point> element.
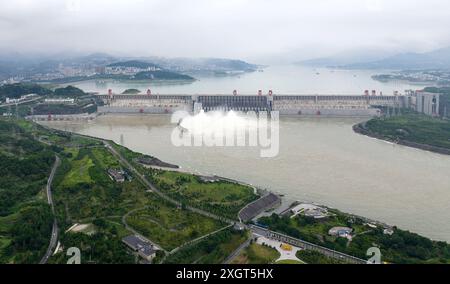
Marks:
<point>218,122</point>
<point>320,160</point>
<point>228,129</point>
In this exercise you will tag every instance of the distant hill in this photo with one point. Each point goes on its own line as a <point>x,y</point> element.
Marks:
<point>20,89</point>
<point>203,64</point>
<point>135,64</point>
<point>161,75</point>
<point>438,59</point>
<point>131,91</point>
<point>347,58</point>
<point>69,91</point>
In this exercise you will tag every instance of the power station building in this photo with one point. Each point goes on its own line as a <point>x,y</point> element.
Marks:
<point>427,103</point>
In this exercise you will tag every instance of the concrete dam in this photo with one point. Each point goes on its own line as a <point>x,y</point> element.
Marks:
<point>308,105</point>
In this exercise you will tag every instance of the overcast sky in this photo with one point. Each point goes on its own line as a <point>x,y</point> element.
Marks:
<point>247,29</point>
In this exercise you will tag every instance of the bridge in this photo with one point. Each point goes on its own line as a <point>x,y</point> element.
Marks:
<point>340,105</point>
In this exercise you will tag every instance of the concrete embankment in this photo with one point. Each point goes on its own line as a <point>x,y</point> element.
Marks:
<point>362,129</point>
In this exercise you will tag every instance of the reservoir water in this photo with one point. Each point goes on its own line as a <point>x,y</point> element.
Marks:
<point>320,160</point>
<point>289,79</point>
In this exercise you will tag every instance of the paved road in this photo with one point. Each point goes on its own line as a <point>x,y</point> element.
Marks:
<point>54,237</point>
<point>235,253</point>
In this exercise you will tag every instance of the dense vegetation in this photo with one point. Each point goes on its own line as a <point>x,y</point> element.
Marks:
<point>400,247</point>
<point>211,250</point>
<point>413,127</point>
<point>257,254</point>
<point>69,91</point>
<point>25,218</point>
<point>20,89</point>
<point>131,91</point>
<point>103,246</point>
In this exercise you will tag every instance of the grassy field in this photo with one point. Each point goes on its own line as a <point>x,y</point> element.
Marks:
<point>221,197</point>
<point>79,172</point>
<point>257,254</point>
<point>211,250</point>
<point>413,127</point>
<point>171,227</point>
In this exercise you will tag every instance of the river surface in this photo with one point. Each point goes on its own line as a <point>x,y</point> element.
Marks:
<point>290,79</point>
<point>320,160</point>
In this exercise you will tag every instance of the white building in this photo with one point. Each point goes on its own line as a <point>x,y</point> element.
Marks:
<point>60,101</point>
<point>309,210</point>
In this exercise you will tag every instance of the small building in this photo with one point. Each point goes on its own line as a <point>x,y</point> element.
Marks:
<point>309,210</point>
<point>140,246</point>
<point>116,175</point>
<point>207,179</point>
<point>388,231</point>
<point>343,232</point>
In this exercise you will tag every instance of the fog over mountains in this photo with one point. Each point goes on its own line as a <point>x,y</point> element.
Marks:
<point>437,59</point>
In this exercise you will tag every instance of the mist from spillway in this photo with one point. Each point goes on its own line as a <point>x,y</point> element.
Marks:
<point>217,122</point>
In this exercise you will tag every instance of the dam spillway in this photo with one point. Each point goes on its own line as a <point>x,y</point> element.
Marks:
<point>331,105</point>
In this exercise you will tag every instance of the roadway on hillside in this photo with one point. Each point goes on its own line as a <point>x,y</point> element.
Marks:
<point>54,236</point>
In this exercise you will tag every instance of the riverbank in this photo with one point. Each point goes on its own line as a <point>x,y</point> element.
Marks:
<point>362,128</point>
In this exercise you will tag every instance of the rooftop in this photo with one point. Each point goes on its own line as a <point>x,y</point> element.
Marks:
<point>140,245</point>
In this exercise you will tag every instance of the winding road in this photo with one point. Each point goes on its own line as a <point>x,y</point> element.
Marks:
<point>54,236</point>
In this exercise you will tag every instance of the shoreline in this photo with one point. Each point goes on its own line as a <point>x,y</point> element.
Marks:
<point>361,129</point>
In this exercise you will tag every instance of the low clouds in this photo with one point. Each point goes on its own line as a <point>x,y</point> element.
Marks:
<point>223,28</point>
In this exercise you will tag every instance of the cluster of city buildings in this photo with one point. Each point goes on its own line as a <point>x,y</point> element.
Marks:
<point>126,70</point>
